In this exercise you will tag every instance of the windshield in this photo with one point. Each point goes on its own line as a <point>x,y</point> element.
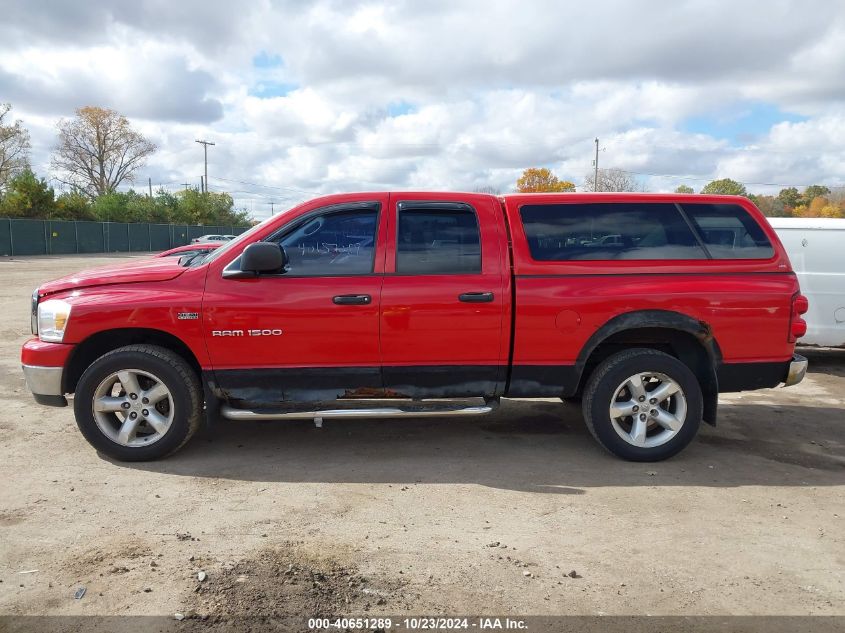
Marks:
<point>246,236</point>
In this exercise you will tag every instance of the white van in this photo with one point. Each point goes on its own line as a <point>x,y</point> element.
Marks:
<point>816,248</point>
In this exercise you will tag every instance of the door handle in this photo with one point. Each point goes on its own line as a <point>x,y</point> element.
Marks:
<point>352,300</point>
<point>476,297</point>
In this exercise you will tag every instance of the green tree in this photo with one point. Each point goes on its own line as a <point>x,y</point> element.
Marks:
<point>28,196</point>
<point>789,197</point>
<point>111,207</point>
<point>74,205</point>
<point>814,191</point>
<point>684,189</point>
<point>725,186</point>
<point>541,180</point>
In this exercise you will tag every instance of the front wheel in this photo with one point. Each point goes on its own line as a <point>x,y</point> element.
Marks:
<point>643,405</point>
<point>138,403</point>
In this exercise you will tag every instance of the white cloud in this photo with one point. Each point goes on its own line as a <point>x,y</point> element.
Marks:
<point>483,89</point>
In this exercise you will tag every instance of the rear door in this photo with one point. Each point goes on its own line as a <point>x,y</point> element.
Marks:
<point>445,297</point>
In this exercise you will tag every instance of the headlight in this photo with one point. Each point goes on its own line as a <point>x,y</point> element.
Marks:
<point>53,316</point>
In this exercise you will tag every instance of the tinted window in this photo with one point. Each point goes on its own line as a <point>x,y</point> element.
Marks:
<point>558,232</point>
<point>432,241</point>
<point>338,243</point>
<point>729,232</point>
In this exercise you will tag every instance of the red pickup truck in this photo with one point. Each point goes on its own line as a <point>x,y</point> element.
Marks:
<point>643,307</point>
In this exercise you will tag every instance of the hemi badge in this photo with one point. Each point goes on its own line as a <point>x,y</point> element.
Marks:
<point>188,316</point>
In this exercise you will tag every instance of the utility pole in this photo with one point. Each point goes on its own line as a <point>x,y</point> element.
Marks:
<point>186,185</point>
<point>150,183</point>
<point>596,162</point>
<point>205,145</point>
<point>271,207</point>
<point>203,185</point>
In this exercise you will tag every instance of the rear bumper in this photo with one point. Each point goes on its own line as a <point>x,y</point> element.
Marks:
<point>797,370</point>
<point>749,376</point>
<point>43,368</point>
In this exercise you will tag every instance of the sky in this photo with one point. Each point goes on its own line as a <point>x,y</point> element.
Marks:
<point>306,98</point>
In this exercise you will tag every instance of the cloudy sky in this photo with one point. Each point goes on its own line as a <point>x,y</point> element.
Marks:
<point>303,98</point>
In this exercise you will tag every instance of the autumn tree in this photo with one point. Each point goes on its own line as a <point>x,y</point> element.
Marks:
<point>541,180</point>
<point>14,146</point>
<point>725,186</point>
<point>98,150</point>
<point>684,189</point>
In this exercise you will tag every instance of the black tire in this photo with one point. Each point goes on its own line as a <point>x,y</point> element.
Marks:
<point>601,391</point>
<point>172,370</point>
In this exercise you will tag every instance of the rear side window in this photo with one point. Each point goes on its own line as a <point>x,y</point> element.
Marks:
<point>729,232</point>
<point>614,230</point>
<point>433,241</point>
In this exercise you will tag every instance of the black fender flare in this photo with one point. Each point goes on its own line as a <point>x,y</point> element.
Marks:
<point>665,319</point>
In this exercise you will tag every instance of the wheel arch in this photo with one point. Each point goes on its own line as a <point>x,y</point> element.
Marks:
<point>688,339</point>
<point>96,345</point>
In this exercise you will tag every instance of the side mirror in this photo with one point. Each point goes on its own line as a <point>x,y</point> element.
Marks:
<point>261,257</point>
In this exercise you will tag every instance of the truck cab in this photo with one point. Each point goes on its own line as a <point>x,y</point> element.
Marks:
<point>415,304</point>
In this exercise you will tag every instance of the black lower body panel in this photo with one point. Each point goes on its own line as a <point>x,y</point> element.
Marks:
<point>264,387</point>
<point>443,381</point>
<point>750,376</point>
<point>543,381</point>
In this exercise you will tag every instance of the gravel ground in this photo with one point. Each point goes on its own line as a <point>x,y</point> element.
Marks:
<point>517,513</point>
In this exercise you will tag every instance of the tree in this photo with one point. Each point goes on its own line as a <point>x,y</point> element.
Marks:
<point>814,191</point>
<point>612,179</point>
<point>725,186</point>
<point>28,196</point>
<point>488,189</point>
<point>790,197</point>
<point>98,150</point>
<point>14,146</point>
<point>541,180</point>
<point>684,189</point>
<point>74,205</point>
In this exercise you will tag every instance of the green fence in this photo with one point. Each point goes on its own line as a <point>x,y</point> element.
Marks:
<point>47,237</point>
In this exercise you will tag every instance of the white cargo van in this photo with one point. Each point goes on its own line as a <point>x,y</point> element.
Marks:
<point>816,248</point>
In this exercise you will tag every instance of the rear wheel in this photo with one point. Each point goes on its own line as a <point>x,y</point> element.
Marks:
<point>643,405</point>
<point>137,403</point>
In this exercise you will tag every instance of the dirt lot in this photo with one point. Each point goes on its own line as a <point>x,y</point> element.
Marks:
<point>488,515</point>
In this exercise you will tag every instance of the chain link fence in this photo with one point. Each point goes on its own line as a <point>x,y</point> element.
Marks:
<point>47,237</point>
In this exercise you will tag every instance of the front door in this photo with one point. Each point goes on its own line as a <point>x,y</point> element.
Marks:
<point>310,333</point>
<point>443,299</point>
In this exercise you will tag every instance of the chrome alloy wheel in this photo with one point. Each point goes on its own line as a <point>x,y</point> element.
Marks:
<point>133,408</point>
<point>648,409</point>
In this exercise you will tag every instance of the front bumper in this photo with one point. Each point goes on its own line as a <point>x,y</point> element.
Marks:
<point>43,367</point>
<point>45,383</point>
<point>797,370</point>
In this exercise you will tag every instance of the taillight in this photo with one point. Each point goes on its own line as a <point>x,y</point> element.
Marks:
<point>797,325</point>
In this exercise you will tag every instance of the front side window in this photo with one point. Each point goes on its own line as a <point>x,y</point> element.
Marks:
<point>333,243</point>
<point>433,241</point>
<point>729,232</point>
<point>608,230</point>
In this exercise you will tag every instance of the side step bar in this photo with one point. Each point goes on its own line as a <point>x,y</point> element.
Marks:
<point>232,413</point>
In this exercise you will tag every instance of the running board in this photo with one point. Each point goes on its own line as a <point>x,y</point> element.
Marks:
<point>232,413</point>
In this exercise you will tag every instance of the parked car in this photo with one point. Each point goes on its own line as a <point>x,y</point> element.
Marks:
<point>815,247</point>
<point>372,304</point>
<point>188,253</point>
<point>204,239</point>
